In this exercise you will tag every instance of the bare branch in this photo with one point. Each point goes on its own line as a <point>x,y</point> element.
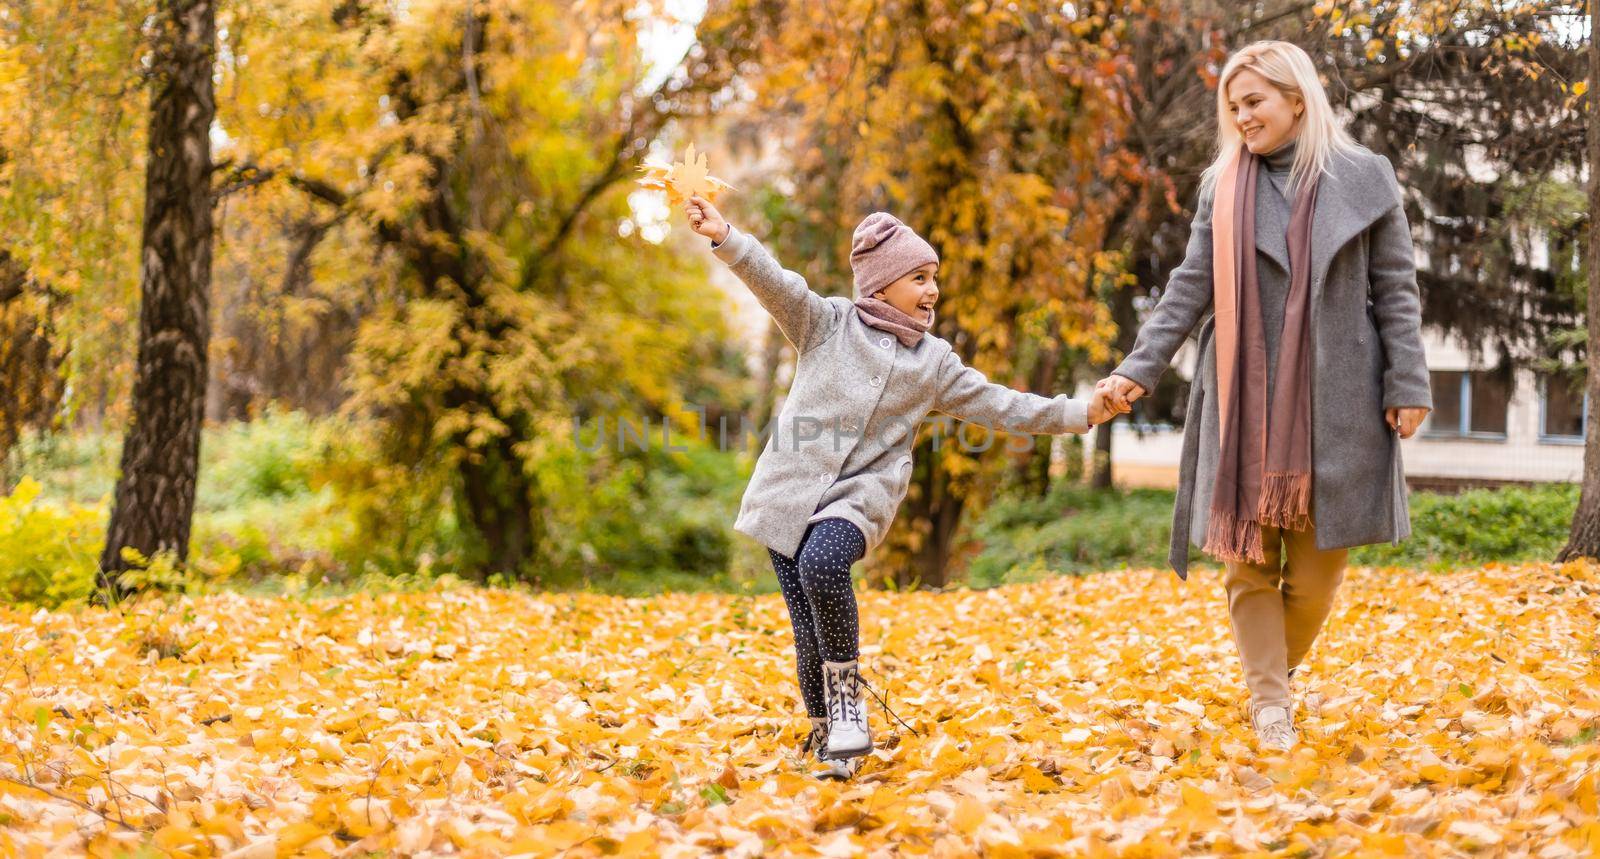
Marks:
<point>72,800</point>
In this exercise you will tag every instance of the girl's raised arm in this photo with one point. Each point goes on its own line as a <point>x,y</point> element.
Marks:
<point>803,316</point>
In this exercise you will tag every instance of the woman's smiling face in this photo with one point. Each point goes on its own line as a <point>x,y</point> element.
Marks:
<point>1266,117</point>
<point>914,294</point>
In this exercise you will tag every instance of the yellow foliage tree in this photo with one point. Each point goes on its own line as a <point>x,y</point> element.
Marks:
<point>481,150</point>
<point>71,186</point>
<point>983,126</point>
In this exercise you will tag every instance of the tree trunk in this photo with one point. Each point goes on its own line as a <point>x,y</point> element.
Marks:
<point>161,452</point>
<point>1029,470</point>
<point>1584,541</point>
<point>1100,477</point>
<point>31,384</point>
<point>499,499</point>
<point>941,509</point>
<point>501,505</point>
<point>1126,316</point>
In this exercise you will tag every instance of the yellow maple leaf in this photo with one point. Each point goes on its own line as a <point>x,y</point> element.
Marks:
<point>684,179</point>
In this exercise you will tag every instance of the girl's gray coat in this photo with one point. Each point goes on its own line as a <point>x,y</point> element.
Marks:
<point>1366,329</point>
<point>850,376</point>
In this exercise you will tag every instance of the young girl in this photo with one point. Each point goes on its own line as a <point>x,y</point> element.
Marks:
<point>837,462</point>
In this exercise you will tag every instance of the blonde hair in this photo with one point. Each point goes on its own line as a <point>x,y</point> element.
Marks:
<point>1288,68</point>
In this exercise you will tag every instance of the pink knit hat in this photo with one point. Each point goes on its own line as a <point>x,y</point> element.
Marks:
<point>884,250</point>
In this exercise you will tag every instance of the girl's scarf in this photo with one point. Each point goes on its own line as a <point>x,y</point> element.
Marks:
<point>1264,472</point>
<point>883,315</point>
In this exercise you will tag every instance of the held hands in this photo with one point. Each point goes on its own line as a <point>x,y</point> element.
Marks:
<point>705,219</point>
<point>1118,394</point>
<point>1405,420</point>
<point>1113,395</point>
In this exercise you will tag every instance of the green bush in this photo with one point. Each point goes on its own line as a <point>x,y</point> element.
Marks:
<point>1075,530</point>
<point>288,497</point>
<point>48,553</point>
<point>78,467</point>
<point>641,521</point>
<point>260,511</point>
<point>384,519</point>
<point>629,522</point>
<point>272,458</point>
<point>1480,525</point>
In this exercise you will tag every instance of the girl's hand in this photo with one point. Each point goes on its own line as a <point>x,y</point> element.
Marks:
<point>1405,421</point>
<point>1100,410</point>
<point>705,219</point>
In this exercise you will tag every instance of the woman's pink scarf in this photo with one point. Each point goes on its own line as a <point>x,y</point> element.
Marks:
<point>1264,472</point>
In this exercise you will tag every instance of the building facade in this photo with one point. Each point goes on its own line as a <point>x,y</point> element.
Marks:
<point>1490,426</point>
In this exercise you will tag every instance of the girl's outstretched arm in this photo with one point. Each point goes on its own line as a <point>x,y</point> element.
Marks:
<point>967,394</point>
<point>803,316</point>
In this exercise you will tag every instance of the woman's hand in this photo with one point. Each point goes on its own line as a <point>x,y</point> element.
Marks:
<point>705,219</point>
<point>1120,392</point>
<point>1405,420</point>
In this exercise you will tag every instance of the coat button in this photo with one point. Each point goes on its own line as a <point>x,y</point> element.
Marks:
<point>824,478</point>
<point>876,381</point>
<point>885,342</point>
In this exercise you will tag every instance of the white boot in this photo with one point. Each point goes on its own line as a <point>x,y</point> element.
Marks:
<point>816,745</point>
<point>849,735</point>
<point>1274,729</point>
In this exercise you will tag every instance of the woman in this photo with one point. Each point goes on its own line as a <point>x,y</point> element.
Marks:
<point>1311,367</point>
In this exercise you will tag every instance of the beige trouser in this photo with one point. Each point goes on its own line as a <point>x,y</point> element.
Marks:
<point>1277,608</point>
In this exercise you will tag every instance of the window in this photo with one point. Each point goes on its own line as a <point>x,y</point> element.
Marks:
<point>1563,407</point>
<point>1469,403</point>
<point>1447,399</point>
<point>1489,393</point>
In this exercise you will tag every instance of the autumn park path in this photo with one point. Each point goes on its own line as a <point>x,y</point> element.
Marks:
<point>1442,713</point>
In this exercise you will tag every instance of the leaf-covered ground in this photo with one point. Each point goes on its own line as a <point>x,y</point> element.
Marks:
<point>1441,714</point>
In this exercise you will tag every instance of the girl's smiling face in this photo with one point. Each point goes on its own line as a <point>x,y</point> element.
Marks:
<point>1266,116</point>
<point>914,294</point>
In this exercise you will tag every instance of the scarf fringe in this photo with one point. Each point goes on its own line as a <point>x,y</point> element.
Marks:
<point>1285,500</point>
<point>1233,539</point>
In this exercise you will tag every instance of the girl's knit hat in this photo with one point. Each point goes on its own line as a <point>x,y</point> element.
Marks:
<point>883,251</point>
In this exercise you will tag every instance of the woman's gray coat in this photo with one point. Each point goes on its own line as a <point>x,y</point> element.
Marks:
<point>1366,328</point>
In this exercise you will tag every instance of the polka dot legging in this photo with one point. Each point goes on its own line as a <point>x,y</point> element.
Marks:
<point>822,604</point>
